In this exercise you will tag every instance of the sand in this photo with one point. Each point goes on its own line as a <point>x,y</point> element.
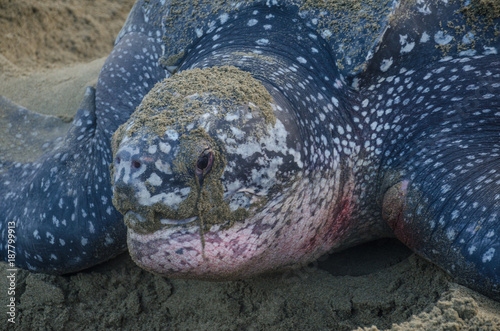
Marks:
<point>49,51</point>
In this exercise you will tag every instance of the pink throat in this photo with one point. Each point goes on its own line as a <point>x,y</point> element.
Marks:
<point>258,245</point>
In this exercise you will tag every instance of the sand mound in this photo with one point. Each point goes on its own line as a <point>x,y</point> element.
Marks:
<point>46,34</point>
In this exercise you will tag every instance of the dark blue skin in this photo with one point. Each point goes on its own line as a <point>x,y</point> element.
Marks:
<point>446,148</point>
<point>436,168</point>
<point>70,223</point>
<point>449,213</point>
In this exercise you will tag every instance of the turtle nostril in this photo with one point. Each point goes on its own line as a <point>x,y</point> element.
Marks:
<point>136,164</point>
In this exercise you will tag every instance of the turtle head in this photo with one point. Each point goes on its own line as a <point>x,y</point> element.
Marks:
<point>202,154</point>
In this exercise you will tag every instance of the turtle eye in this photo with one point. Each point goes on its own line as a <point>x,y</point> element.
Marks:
<point>205,161</point>
<point>202,162</point>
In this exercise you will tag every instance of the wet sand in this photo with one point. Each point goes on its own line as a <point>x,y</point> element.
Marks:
<point>380,285</point>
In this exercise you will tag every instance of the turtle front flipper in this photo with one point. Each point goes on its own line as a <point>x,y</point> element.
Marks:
<point>430,102</point>
<point>440,161</point>
<point>57,201</point>
<point>58,207</point>
<point>132,68</point>
<point>26,135</point>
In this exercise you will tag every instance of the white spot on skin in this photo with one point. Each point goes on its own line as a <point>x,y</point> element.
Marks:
<point>425,37</point>
<point>165,148</point>
<point>232,117</point>
<point>326,34</point>
<point>108,240</point>
<point>154,180</point>
<point>185,191</point>
<point>234,186</point>
<point>144,197</point>
<point>238,134</point>
<point>296,157</point>
<point>386,64</point>
<point>223,18</point>
<point>335,101</point>
<point>468,38</point>
<point>50,236</point>
<point>252,22</point>
<point>406,46</point>
<point>450,234</point>
<point>442,39</point>
<point>489,50</point>
<point>488,256</point>
<point>91,227</point>
<point>445,188</point>
<point>152,149</point>
<point>425,9</point>
<point>262,42</point>
<point>163,167</point>
<point>313,36</point>
<point>301,59</point>
<point>172,135</point>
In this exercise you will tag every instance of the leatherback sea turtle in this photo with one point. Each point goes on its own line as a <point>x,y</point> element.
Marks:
<point>276,132</point>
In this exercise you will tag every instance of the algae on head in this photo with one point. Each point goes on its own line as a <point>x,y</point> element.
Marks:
<point>206,197</point>
<point>179,103</point>
<point>182,98</point>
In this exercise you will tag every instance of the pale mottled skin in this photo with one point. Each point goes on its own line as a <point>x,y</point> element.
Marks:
<point>408,145</point>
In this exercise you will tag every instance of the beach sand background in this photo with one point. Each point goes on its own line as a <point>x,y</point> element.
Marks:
<point>49,51</point>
